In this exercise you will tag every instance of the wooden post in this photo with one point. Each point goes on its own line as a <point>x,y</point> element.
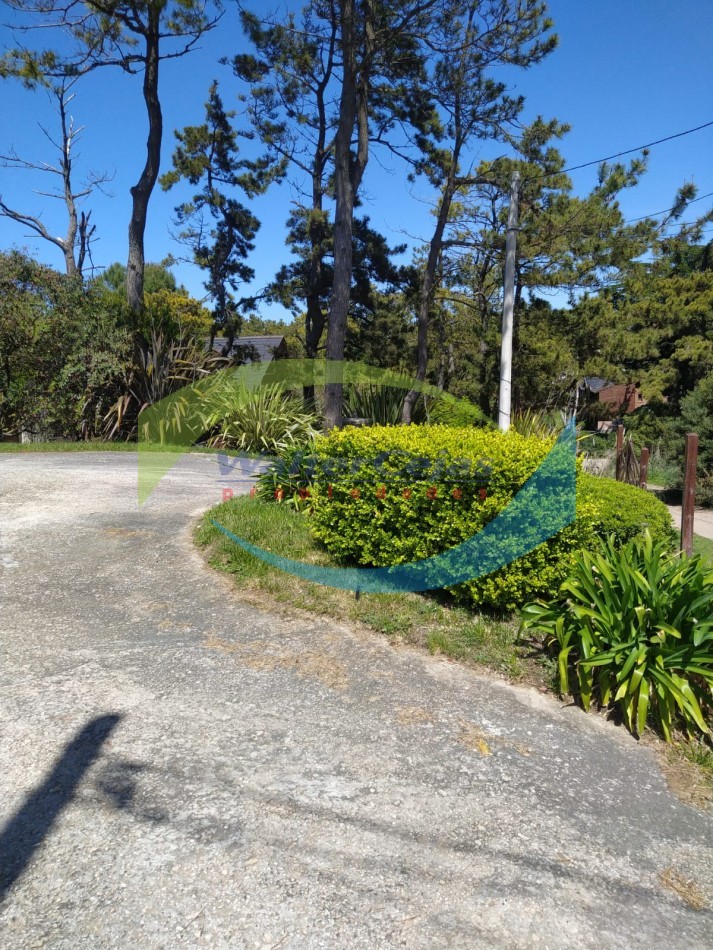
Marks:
<point>619,452</point>
<point>689,493</point>
<point>644,467</point>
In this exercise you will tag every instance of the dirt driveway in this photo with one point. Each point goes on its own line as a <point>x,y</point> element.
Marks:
<point>178,769</point>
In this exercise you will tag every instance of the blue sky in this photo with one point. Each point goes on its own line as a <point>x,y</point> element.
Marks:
<point>626,72</point>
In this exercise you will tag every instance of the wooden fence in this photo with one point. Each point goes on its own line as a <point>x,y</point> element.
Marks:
<point>635,471</point>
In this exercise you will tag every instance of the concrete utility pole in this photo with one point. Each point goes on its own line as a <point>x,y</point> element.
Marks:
<point>508,308</point>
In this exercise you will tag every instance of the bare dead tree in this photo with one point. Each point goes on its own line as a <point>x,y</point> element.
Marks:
<point>75,244</point>
<point>132,35</point>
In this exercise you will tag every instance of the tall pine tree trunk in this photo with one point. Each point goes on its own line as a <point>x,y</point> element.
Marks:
<point>315,316</point>
<point>141,191</point>
<point>428,286</point>
<point>344,215</point>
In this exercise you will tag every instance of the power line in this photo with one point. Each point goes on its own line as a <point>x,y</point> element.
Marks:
<point>608,158</point>
<point>653,214</point>
<point>628,151</point>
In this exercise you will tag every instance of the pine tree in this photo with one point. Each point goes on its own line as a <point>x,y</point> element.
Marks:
<point>219,229</point>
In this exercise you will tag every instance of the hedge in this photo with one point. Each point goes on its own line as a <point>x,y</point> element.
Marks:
<point>389,495</point>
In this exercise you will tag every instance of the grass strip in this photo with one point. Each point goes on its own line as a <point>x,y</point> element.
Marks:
<point>424,620</point>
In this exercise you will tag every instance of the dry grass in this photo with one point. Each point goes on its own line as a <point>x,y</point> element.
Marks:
<point>472,737</point>
<point>413,716</point>
<point>261,655</point>
<point>687,768</point>
<point>685,888</point>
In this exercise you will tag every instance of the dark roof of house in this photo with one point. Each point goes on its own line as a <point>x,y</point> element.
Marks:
<point>595,383</point>
<point>261,349</point>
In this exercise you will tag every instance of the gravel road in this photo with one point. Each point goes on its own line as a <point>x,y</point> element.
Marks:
<point>178,769</point>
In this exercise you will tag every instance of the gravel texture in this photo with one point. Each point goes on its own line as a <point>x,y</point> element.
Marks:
<point>180,769</point>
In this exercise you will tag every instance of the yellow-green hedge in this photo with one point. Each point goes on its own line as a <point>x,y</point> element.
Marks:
<point>362,515</point>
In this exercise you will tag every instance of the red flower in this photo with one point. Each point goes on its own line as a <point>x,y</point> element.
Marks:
<point>279,494</point>
<point>355,493</point>
<point>329,492</point>
<point>406,493</point>
<point>381,492</point>
<point>482,494</point>
<point>303,493</point>
<point>431,492</point>
<point>457,494</point>
<point>253,491</point>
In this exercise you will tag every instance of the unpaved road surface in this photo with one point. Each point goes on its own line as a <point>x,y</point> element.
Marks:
<point>702,520</point>
<point>178,769</point>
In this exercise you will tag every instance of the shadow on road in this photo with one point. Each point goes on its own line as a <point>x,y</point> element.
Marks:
<point>30,825</point>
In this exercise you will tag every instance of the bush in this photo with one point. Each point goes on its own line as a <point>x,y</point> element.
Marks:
<point>457,413</point>
<point>697,416</point>
<point>63,351</point>
<point>653,426</point>
<point>401,494</point>
<point>162,367</point>
<point>704,490</point>
<point>381,405</point>
<point>538,422</point>
<point>636,626</point>
<point>625,511</point>
<point>267,419</point>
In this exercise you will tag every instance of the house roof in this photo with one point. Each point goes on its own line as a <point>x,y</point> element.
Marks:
<point>261,349</point>
<point>595,383</point>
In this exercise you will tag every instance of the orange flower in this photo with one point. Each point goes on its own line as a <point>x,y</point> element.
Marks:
<point>457,494</point>
<point>303,493</point>
<point>406,493</point>
<point>431,493</point>
<point>279,494</point>
<point>329,492</point>
<point>381,492</point>
<point>483,494</point>
<point>253,491</point>
<point>355,493</point>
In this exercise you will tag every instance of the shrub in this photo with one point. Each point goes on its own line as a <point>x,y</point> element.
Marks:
<point>704,490</point>
<point>697,416</point>
<point>653,426</point>
<point>381,405</point>
<point>457,413</point>
<point>289,477</point>
<point>538,422</point>
<point>625,511</point>
<point>267,419</point>
<point>391,495</point>
<point>636,626</point>
<point>411,492</point>
<point>162,367</point>
<point>63,351</point>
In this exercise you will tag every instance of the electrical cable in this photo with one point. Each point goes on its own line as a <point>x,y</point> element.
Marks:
<point>628,151</point>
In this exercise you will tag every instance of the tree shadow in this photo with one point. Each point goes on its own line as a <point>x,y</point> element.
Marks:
<point>32,822</point>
